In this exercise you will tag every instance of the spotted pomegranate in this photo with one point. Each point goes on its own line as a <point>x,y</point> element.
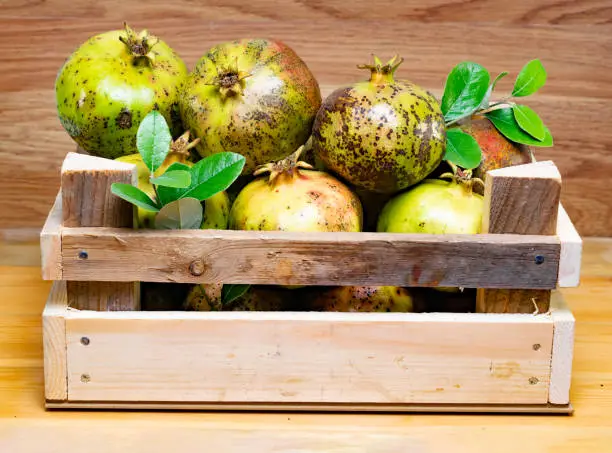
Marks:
<point>382,135</point>
<point>254,97</point>
<point>110,83</point>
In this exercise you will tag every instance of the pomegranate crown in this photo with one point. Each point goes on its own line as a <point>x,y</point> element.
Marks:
<point>181,146</point>
<point>140,44</point>
<point>461,176</point>
<point>288,166</point>
<point>382,73</point>
<point>230,79</point>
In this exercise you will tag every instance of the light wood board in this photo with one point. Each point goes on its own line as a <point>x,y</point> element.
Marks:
<point>285,357</point>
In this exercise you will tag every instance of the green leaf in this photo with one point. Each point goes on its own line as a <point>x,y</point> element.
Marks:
<point>531,78</point>
<point>179,179</point>
<point>230,293</point>
<point>170,194</point>
<point>464,91</point>
<point>183,214</point>
<point>210,176</point>
<point>487,98</point>
<point>529,121</point>
<point>504,121</point>
<point>134,195</point>
<point>462,149</point>
<point>153,140</point>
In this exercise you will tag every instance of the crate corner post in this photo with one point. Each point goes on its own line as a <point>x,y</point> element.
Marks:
<point>87,201</point>
<point>54,345</point>
<point>522,199</point>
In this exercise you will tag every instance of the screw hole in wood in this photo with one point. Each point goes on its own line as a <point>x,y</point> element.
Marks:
<point>197,268</point>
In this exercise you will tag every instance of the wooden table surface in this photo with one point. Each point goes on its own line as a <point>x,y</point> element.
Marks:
<point>26,427</point>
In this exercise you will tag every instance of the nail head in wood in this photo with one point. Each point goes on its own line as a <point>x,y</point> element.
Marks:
<point>85,378</point>
<point>539,259</point>
<point>533,380</point>
<point>83,255</point>
<point>537,346</point>
<point>197,267</point>
<point>84,341</point>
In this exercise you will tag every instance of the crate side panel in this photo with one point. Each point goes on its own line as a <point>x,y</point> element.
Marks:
<point>312,359</point>
<point>283,258</point>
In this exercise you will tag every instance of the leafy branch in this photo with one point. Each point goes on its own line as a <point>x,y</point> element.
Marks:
<point>468,92</point>
<point>181,188</point>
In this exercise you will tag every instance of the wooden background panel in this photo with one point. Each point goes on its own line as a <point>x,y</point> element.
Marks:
<point>586,12</point>
<point>574,40</point>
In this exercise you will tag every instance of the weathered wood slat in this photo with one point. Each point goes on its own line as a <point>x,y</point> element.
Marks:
<point>206,256</point>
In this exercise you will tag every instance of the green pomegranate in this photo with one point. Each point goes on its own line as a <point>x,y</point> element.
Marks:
<point>363,299</point>
<point>110,83</point>
<point>254,97</point>
<point>434,207</point>
<point>293,198</point>
<point>381,135</point>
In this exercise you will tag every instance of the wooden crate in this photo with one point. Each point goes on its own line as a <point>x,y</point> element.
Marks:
<point>513,355</point>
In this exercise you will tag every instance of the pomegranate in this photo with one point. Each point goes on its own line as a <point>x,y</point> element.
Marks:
<point>497,150</point>
<point>434,207</point>
<point>382,135</point>
<point>294,198</point>
<point>255,97</point>
<point>362,298</point>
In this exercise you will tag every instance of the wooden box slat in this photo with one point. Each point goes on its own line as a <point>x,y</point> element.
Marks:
<point>489,261</point>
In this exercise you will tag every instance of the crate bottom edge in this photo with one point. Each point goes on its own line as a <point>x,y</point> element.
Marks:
<point>566,409</point>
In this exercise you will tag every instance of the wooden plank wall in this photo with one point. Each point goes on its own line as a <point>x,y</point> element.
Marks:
<point>573,39</point>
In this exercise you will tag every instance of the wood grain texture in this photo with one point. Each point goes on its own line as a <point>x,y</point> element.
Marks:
<point>87,201</point>
<point>51,243</point>
<point>563,351</point>
<point>26,426</point>
<point>308,357</point>
<point>590,12</point>
<point>332,38</point>
<point>523,199</point>
<point>54,344</point>
<point>284,258</point>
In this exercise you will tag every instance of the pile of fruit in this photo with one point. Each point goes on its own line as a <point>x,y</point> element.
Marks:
<point>246,142</point>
